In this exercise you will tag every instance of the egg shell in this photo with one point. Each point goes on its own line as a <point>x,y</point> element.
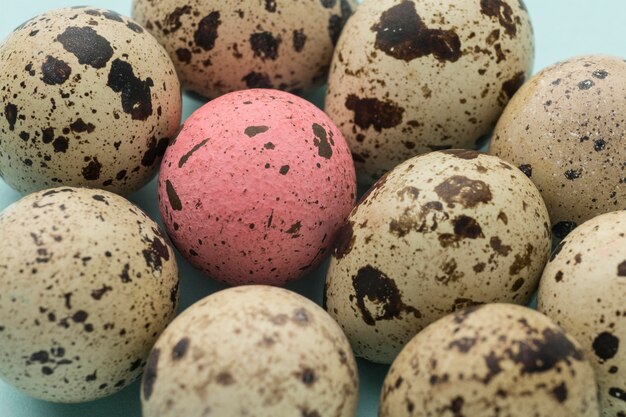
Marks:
<point>89,98</point>
<point>583,289</point>
<point>255,187</point>
<point>227,45</point>
<point>439,233</point>
<point>87,283</point>
<point>410,77</point>
<point>251,350</point>
<point>494,360</point>
<point>565,129</point>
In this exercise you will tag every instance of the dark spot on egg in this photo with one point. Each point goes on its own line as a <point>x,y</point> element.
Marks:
<point>573,174</point>
<point>180,349</point>
<point>502,11</point>
<point>10,113</point>
<point>87,46</point>
<point>586,84</point>
<point>257,80</point>
<point>225,378</point>
<point>79,126</point>
<point>265,45</point>
<point>605,345</point>
<point>284,170</point>
<point>402,34</point>
<point>91,171</point>
<point>55,71</point>
<point>322,141</point>
<point>523,260</point>
<point>207,32</point>
<point>270,5</point>
<point>183,160</point>
<point>252,131</point>
<point>600,74</point>
<point>560,392</point>
<point>462,190</point>
<point>183,55</point>
<point>371,284</point>
<point>299,40</point>
<point>173,198</point>
<point>371,112</point>
<point>135,93</point>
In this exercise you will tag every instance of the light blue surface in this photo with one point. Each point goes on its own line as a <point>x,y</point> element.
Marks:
<point>563,28</point>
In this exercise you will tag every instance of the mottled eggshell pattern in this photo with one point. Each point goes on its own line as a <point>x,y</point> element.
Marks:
<point>219,46</point>
<point>256,186</point>
<point>252,350</point>
<point>89,98</point>
<point>409,77</point>
<point>438,233</point>
<point>495,360</point>
<point>87,284</point>
<point>583,289</point>
<point>565,129</point>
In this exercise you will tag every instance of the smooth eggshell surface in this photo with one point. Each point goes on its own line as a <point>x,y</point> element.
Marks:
<point>583,289</point>
<point>89,98</point>
<point>251,350</point>
<point>255,187</point>
<point>219,46</point>
<point>496,360</point>
<point>409,77</point>
<point>87,284</point>
<point>438,233</point>
<point>565,129</point>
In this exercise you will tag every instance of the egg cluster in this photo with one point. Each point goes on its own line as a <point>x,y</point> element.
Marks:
<point>430,271</point>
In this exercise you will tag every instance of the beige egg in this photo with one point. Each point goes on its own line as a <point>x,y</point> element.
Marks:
<point>409,77</point>
<point>227,45</point>
<point>495,360</point>
<point>583,289</point>
<point>251,351</point>
<point>89,98</point>
<point>565,130</point>
<point>439,233</point>
<point>87,284</point>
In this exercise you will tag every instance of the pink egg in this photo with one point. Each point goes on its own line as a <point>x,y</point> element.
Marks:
<point>255,187</point>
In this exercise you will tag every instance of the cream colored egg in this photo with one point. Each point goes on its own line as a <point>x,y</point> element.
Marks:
<point>89,98</point>
<point>495,360</point>
<point>409,77</point>
<point>438,233</point>
<point>583,289</point>
<point>565,128</point>
<point>251,351</point>
<point>219,46</point>
<point>87,284</point>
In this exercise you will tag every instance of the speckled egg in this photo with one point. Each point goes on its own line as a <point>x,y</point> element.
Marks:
<point>565,130</point>
<point>222,46</point>
<point>409,77</point>
<point>252,350</point>
<point>495,360</point>
<point>89,98</point>
<point>256,186</point>
<point>583,289</point>
<point>87,284</point>
<point>439,233</point>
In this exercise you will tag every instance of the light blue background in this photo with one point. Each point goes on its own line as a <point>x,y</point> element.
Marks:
<point>563,28</point>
